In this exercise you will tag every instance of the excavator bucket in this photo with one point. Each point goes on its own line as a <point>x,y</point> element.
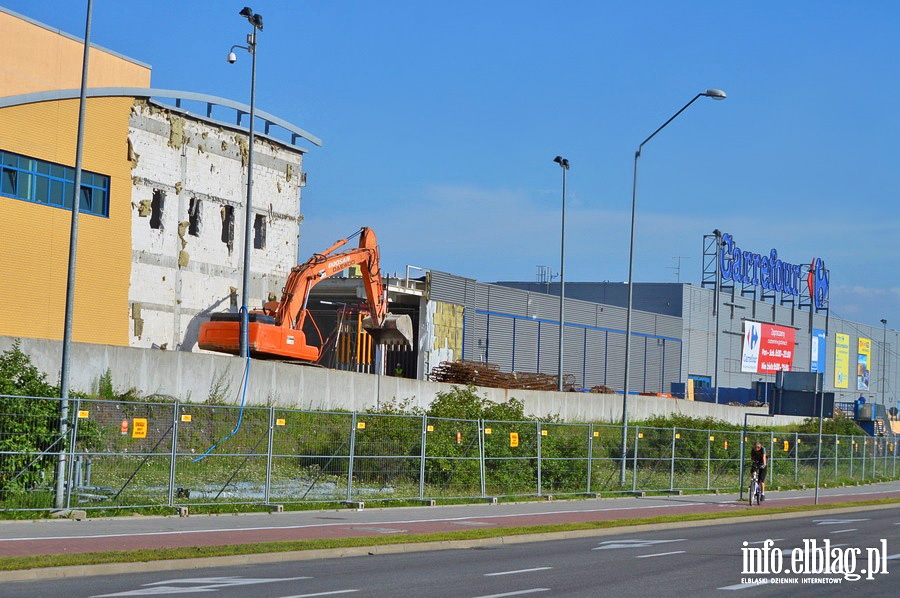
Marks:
<point>395,330</point>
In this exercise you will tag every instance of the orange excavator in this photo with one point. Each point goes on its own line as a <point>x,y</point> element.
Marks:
<point>276,331</point>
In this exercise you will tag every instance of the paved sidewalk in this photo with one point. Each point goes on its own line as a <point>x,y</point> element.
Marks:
<point>44,537</point>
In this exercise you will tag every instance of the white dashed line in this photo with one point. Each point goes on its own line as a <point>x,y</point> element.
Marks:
<point>517,571</point>
<point>321,594</point>
<point>519,593</point>
<point>844,531</point>
<point>647,556</point>
<point>744,586</point>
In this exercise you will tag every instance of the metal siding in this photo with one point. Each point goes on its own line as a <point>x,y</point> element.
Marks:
<point>654,365</point>
<point>500,342</point>
<point>478,339</point>
<point>573,349</point>
<point>526,345</point>
<point>549,348</point>
<point>636,371</point>
<point>596,358</point>
<point>615,369</point>
<point>672,365</point>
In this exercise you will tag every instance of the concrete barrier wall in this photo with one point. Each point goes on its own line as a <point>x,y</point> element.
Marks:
<point>195,377</point>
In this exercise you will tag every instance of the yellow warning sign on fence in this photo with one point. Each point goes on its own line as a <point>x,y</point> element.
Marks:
<point>513,439</point>
<point>139,427</point>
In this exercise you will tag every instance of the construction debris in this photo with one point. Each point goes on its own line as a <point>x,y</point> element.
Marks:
<point>489,375</point>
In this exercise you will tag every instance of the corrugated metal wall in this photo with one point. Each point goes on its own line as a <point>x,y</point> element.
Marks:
<point>519,331</point>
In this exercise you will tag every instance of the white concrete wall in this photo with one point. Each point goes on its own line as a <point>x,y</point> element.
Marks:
<point>193,376</point>
<point>187,158</point>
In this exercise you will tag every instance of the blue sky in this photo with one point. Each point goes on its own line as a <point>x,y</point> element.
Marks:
<point>440,122</point>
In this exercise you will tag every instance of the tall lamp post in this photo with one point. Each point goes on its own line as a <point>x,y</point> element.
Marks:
<point>716,94</point>
<point>564,164</point>
<point>883,361</point>
<point>256,21</point>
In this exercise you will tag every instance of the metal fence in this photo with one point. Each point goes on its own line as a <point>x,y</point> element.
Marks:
<point>143,454</point>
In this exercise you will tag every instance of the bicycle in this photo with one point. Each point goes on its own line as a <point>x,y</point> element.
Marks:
<point>755,490</point>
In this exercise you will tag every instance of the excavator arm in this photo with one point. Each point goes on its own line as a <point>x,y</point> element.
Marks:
<point>277,330</point>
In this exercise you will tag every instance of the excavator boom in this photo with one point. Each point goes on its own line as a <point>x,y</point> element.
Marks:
<point>277,330</point>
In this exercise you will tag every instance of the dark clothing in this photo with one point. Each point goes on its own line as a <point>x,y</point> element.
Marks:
<point>757,463</point>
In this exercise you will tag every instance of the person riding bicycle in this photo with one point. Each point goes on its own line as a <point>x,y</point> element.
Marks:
<point>758,462</point>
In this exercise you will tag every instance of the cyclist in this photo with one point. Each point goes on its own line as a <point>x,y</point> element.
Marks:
<point>758,462</point>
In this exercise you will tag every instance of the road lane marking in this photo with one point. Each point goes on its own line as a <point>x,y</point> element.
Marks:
<point>633,543</point>
<point>517,571</point>
<point>844,531</point>
<point>321,594</point>
<point>647,556</point>
<point>196,584</point>
<point>836,521</point>
<point>519,593</point>
<point>894,557</point>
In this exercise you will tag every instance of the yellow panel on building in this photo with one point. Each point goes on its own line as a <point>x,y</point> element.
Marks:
<point>36,58</point>
<point>34,260</point>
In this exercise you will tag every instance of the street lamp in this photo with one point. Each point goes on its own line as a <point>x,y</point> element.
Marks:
<point>257,23</point>
<point>564,164</point>
<point>716,94</point>
<point>883,360</point>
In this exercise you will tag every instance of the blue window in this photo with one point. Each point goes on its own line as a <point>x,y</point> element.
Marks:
<point>43,182</point>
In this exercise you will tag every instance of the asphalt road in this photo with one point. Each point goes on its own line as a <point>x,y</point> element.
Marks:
<point>703,560</point>
<point>36,538</point>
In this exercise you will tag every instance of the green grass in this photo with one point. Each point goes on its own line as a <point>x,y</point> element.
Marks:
<point>131,556</point>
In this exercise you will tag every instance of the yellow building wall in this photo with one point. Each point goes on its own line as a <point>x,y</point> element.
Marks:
<point>35,58</point>
<point>34,238</point>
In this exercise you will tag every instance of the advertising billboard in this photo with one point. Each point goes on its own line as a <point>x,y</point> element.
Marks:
<point>817,353</point>
<point>863,363</point>
<point>767,348</point>
<point>842,361</point>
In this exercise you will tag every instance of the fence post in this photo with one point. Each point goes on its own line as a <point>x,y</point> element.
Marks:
<point>481,456</point>
<point>269,453</point>
<point>836,453</point>
<point>865,443</point>
<point>796,458</point>
<point>708,464</point>
<point>422,461</point>
<point>350,460</point>
<point>672,468</point>
<point>772,454</point>
<point>852,450</point>
<point>174,455</point>
<point>634,472</point>
<point>70,470</point>
<point>590,455</point>
<point>538,427</point>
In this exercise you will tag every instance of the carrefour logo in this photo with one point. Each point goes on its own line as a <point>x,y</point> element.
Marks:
<point>817,281</point>
<point>753,337</point>
<point>772,273</point>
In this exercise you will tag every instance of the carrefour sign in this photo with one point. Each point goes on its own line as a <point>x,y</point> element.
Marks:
<point>772,273</point>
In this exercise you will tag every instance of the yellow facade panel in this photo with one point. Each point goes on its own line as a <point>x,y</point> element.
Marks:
<point>34,260</point>
<point>37,58</point>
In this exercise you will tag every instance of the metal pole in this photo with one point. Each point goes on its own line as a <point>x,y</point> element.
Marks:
<point>173,459</point>
<point>538,424</point>
<point>481,456</point>
<point>708,465</point>
<point>350,463</point>
<point>59,499</point>
<point>716,314</point>
<point>820,396</point>
<point>672,468</point>
<point>248,214</point>
<point>634,466</point>
<point>269,453</point>
<point>797,458</point>
<point>422,462</point>
<point>884,362</point>
<point>564,163</point>
<point>590,455</point>
<point>712,93</point>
